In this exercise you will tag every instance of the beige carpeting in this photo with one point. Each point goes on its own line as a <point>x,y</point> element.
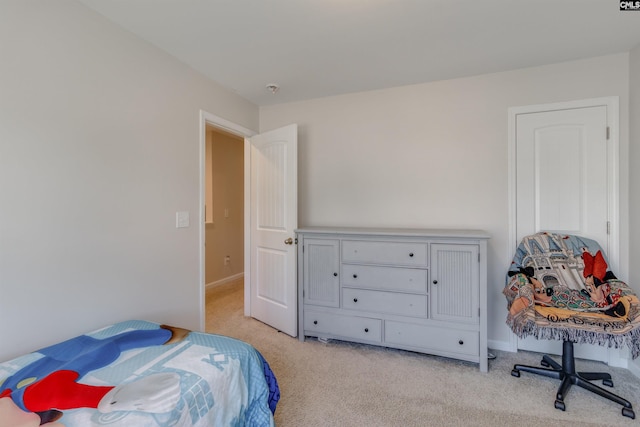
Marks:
<point>346,384</point>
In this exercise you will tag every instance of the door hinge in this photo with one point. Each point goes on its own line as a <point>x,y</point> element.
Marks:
<point>608,227</point>
<point>608,132</point>
<point>478,257</point>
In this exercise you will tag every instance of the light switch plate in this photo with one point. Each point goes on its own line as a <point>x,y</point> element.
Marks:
<point>182,219</point>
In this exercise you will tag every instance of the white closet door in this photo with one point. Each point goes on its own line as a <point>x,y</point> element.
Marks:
<point>562,173</point>
<point>562,186</point>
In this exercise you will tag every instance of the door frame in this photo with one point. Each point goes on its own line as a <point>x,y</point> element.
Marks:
<point>613,168</point>
<point>241,131</point>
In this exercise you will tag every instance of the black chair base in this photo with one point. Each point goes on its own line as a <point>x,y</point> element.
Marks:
<point>568,375</point>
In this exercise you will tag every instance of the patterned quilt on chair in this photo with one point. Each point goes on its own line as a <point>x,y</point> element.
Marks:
<point>561,287</point>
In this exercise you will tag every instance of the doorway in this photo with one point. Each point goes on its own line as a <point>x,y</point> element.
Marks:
<point>270,187</point>
<point>207,220</point>
<point>224,207</point>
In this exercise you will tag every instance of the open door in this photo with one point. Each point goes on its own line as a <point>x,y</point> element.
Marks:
<point>273,217</point>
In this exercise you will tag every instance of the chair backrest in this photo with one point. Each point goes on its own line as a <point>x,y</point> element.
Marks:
<point>556,259</point>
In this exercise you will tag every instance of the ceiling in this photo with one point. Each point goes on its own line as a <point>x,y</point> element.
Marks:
<point>317,48</point>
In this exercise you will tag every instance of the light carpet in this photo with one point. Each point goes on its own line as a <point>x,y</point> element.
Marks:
<point>346,384</point>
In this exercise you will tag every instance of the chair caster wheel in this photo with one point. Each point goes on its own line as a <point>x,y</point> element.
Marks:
<point>515,373</point>
<point>628,412</point>
<point>560,405</point>
<point>608,383</point>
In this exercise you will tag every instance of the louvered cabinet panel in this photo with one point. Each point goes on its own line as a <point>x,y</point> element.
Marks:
<point>454,282</point>
<point>321,271</point>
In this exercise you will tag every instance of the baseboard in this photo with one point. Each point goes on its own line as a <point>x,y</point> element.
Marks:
<point>224,281</point>
<point>618,358</point>
<point>634,367</point>
<point>502,346</point>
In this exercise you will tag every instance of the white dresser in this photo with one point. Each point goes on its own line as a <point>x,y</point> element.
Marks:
<point>413,289</point>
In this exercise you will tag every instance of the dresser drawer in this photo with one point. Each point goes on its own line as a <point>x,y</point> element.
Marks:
<point>395,253</point>
<point>361,328</point>
<point>384,302</point>
<point>432,338</point>
<point>387,278</point>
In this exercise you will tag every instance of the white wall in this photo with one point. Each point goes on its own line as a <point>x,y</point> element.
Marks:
<point>435,154</point>
<point>99,147</point>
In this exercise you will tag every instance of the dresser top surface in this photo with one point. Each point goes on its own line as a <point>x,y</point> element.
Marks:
<point>408,232</point>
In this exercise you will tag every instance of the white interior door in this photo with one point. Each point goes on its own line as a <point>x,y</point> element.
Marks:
<point>273,219</point>
<point>562,185</point>
<point>562,173</point>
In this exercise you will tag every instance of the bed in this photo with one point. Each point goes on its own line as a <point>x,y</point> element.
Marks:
<point>139,373</point>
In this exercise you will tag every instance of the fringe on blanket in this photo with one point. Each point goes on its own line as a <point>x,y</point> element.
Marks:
<point>522,329</point>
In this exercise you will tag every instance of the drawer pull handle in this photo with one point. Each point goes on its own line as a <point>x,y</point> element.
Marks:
<point>355,300</point>
<point>461,342</point>
<point>335,274</point>
<point>366,329</point>
<point>315,322</point>
<point>435,282</point>
<point>411,254</point>
<point>355,276</point>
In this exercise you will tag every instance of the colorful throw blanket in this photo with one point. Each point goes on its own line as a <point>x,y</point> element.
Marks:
<point>141,374</point>
<point>561,287</point>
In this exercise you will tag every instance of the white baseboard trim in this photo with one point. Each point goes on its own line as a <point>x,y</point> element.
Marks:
<point>634,368</point>
<point>617,358</point>
<point>225,280</point>
<point>501,345</point>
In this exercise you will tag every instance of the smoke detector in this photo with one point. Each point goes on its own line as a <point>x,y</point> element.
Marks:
<point>273,88</point>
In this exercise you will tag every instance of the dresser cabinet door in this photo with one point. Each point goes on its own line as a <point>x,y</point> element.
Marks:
<point>321,272</point>
<point>455,290</point>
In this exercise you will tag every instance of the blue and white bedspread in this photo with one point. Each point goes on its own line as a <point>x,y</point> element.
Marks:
<point>139,373</point>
